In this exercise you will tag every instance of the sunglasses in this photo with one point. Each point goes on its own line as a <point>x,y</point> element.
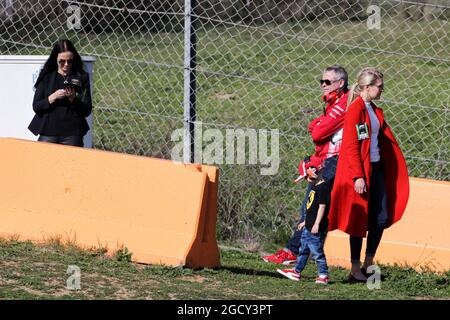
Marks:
<point>327,82</point>
<point>381,86</point>
<point>63,62</point>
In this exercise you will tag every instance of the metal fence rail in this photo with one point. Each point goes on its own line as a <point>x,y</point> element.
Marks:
<point>258,63</point>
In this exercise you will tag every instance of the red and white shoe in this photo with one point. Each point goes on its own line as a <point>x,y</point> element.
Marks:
<point>283,256</point>
<point>290,274</point>
<point>322,279</point>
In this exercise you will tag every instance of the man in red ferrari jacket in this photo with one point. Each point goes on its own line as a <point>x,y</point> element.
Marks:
<point>326,133</point>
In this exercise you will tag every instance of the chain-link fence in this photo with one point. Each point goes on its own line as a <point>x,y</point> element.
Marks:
<point>258,65</point>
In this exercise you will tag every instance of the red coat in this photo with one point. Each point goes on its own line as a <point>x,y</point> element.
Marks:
<point>349,210</point>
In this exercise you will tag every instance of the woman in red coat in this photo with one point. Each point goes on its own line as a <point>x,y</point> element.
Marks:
<point>371,187</point>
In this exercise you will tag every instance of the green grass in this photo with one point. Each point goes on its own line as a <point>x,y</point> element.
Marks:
<point>29,271</point>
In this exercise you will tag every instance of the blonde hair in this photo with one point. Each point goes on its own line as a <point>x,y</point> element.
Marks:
<point>366,77</point>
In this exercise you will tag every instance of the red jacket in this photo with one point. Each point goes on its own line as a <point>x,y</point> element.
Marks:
<point>348,209</point>
<point>324,128</point>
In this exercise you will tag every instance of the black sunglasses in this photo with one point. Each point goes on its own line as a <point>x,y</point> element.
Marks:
<point>63,62</point>
<point>326,81</point>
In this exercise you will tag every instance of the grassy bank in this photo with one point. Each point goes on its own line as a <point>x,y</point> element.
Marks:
<point>29,271</point>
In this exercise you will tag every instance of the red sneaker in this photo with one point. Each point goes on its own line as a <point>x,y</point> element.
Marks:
<point>290,273</point>
<point>322,279</point>
<point>281,257</point>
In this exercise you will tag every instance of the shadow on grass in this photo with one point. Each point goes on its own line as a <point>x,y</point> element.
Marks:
<point>251,272</point>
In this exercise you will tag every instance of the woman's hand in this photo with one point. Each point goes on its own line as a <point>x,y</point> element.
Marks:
<point>360,185</point>
<point>58,94</point>
<point>70,93</point>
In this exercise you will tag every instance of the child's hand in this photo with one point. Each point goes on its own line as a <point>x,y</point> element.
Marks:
<point>310,175</point>
<point>300,226</point>
<point>315,229</point>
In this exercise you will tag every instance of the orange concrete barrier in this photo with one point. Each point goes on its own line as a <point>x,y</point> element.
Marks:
<point>421,239</point>
<point>163,212</point>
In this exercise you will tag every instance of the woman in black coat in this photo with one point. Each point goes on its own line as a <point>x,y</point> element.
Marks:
<point>62,100</point>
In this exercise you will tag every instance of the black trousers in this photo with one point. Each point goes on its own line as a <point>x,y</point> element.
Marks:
<point>76,141</point>
<point>378,216</point>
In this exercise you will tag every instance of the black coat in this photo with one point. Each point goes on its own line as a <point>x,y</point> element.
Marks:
<point>82,104</point>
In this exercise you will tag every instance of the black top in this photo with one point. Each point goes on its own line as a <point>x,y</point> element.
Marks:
<point>319,194</point>
<point>61,118</point>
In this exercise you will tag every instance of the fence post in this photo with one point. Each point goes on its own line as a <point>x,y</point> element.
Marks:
<point>189,79</point>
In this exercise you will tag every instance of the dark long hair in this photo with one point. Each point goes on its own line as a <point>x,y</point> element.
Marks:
<point>51,64</point>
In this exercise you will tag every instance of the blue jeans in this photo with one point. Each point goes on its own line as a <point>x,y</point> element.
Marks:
<point>312,244</point>
<point>329,172</point>
<point>294,242</point>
